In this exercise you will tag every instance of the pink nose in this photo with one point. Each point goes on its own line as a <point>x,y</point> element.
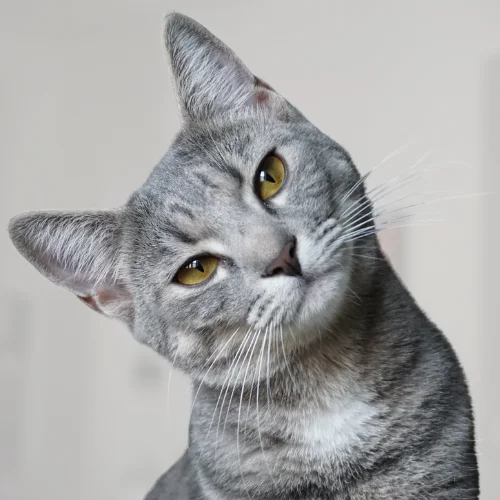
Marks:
<point>286,263</point>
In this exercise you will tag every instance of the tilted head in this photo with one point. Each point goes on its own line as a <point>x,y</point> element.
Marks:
<point>244,231</point>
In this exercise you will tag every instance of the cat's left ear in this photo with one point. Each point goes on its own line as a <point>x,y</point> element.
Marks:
<point>81,252</point>
<point>209,78</point>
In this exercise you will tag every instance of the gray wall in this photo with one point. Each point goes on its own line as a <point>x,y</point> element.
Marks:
<point>86,109</point>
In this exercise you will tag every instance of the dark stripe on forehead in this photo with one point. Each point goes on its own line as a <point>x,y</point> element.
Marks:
<point>235,174</point>
<point>206,181</point>
<point>174,208</point>
<point>151,224</point>
<point>217,152</point>
<point>180,235</point>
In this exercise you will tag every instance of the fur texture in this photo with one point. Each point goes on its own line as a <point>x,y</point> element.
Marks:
<point>329,385</point>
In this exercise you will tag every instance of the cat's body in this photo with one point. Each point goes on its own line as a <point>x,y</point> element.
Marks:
<point>402,430</point>
<point>249,258</point>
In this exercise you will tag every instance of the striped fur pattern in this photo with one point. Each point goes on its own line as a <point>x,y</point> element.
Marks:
<point>332,385</point>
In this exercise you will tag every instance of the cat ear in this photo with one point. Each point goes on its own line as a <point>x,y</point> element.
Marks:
<point>209,78</point>
<point>80,252</point>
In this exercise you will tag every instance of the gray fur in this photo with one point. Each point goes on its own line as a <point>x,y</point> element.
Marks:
<point>332,385</point>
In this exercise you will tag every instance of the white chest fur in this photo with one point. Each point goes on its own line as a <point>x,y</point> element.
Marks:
<point>335,430</point>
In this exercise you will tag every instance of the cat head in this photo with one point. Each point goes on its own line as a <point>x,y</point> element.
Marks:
<point>243,232</point>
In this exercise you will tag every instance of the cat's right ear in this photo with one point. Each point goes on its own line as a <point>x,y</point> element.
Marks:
<point>209,78</point>
<point>79,252</point>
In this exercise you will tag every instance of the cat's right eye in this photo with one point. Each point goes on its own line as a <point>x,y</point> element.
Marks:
<point>269,177</point>
<point>197,270</point>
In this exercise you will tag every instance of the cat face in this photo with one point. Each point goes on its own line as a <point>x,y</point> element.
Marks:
<point>241,237</point>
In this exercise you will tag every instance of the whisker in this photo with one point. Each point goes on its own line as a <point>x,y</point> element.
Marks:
<point>378,230</point>
<point>254,339</point>
<point>364,203</point>
<point>370,257</point>
<point>284,354</point>
<point>365,176</point>
<point>256,336</point>
<point>398,176</point>
<point>372,170</point>
<point>268,384</point>
<point>370,230</point>
<point>379,224</point>
<point>218,354</point>
<point>386,189</point>
<point>226,380</point>
<point>291,331</point>
<point>374,217</point>
<point>403,218</point>
<point>395,182</point>
<point>426,202</point>
<point>231,372</point>
<point>379,211</point>
<point>404,175</point>
<point>358,183</point>
<point>422,203</point>
<point>250,397</point>
<point>354,294</point>
<point>261,357</point>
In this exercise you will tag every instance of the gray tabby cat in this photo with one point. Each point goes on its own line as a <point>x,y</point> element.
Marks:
<point>249,258</point>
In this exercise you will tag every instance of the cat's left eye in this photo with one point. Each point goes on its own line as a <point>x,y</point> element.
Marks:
<point>269,177</point>
<point>197,271</point>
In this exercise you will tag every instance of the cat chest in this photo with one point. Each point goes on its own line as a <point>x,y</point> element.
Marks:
<point>334,432</point>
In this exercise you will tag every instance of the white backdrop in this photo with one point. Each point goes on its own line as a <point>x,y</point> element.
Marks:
<point>86,110</point>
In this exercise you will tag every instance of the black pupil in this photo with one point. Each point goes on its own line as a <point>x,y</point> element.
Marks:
<point>196,264</point>
<point>264,176</point>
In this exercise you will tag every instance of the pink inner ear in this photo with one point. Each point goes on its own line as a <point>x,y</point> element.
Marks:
<point>101,299</point>
<point>261,96</point>
<point>261,90</point>
<point>112,302</point>
<point>90,301</point>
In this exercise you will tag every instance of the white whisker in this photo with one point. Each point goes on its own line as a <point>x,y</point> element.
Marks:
<point>377,213</point>
<point>218,354</point>
<point>254,339</point>
<point>284,355</point>
<point>268,364</point>
<point>378,230</point>
<point>371,171</point>
<point>261,357</point>
<point>226,380</point>
<point>256,336</point>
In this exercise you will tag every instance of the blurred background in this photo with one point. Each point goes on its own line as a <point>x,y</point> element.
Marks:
<point>87,109</point>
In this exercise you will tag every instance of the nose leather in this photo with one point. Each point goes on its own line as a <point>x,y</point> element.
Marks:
<point>286,263</point>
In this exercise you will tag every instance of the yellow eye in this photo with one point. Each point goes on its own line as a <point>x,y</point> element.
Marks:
<point>269,177</point>
<point>198,270</point>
